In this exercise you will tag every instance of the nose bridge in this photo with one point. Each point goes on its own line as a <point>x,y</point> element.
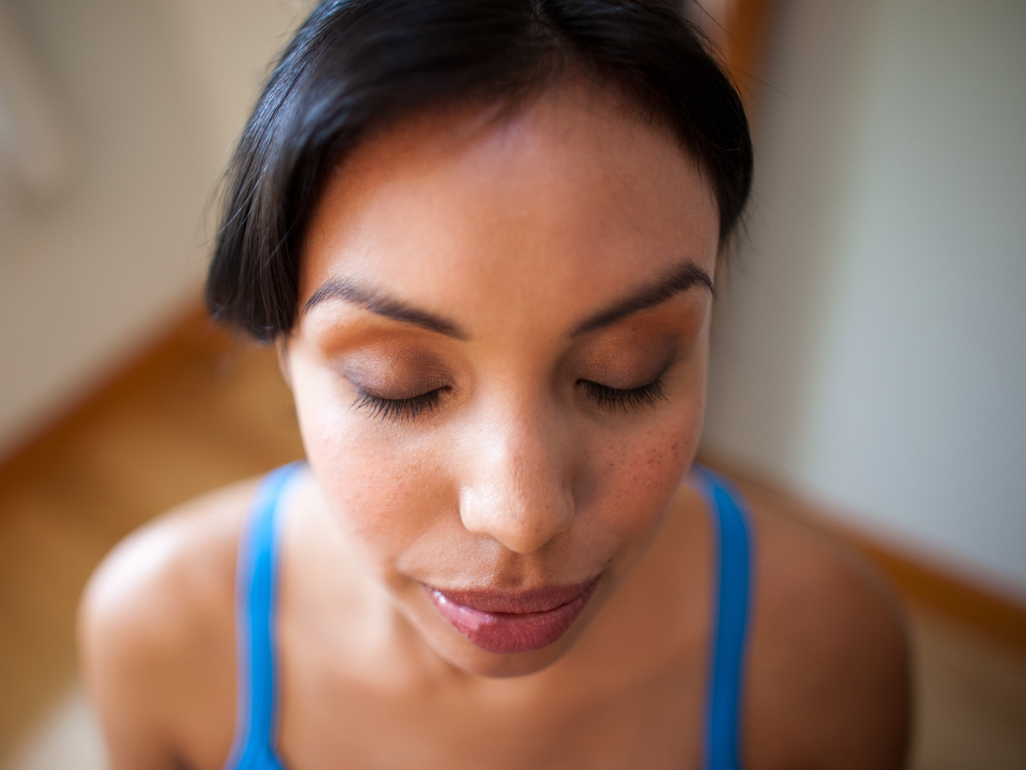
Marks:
<point>518,490</point>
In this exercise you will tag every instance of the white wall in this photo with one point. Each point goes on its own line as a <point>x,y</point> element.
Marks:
<point>871,349</point>
<point>153,94</point>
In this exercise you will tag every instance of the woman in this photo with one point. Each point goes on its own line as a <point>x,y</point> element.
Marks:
<point>484,237</point>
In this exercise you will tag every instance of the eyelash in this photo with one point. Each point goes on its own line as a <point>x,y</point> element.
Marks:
<point>623,399</point>
<point>605,397</point>
<point>396,409</point>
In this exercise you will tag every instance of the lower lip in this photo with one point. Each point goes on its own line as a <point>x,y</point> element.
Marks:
<point>511,632</point>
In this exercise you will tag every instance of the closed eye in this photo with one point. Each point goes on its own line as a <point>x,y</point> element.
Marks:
<point>624,399</point>
<point>396,409</point>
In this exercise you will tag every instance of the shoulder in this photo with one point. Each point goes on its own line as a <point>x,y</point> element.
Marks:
<point>156,632</point>
<point>828,675</point>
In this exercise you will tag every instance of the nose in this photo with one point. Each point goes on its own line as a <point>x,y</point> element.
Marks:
<point>518,488</point>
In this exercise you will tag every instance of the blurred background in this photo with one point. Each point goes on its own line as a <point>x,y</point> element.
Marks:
<point>869,363</point>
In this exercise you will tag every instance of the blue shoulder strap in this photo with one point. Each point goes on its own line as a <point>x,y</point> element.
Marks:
<point>724,708</point>
<point>255,600</point>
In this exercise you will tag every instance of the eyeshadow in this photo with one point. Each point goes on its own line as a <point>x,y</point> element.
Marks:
<point>395,374</point>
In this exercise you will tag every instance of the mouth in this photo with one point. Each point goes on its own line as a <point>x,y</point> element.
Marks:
<point>513,621</point>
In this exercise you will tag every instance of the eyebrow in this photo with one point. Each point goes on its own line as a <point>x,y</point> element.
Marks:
<point>380,304</point>
<point>678,279</point>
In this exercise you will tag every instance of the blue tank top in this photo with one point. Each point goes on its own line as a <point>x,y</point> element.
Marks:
<point>257,712</point>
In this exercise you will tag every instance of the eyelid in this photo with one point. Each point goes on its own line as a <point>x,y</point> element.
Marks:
<point>396,409</point>
<point>634,377</point>
<point>623,399</point>
<point>395,380</point>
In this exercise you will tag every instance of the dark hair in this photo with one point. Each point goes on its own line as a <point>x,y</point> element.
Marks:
<point>357,65</point>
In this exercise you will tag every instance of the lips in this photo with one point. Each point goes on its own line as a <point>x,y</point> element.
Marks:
<point>513,621</point>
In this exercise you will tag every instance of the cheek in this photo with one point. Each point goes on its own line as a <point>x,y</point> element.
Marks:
<point>632,479</point>
<point>385,492</point>
<point>645,472</point>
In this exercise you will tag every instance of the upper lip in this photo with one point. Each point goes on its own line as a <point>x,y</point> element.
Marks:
<point>518,602</point>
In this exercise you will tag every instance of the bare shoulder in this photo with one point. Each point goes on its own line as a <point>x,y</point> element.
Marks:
<point>828,677</point>
<point>156,635</point>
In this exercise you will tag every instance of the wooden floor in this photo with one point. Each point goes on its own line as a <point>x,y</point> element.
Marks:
<point>197,413</point>
<point>201,410</point>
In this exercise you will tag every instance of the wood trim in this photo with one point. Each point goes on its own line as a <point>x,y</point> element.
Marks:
<point>920,579</point>
<point>748,29</point>
<point>190,323</point>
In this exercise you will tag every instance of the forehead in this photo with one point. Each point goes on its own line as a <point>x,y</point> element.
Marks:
<point>573,196</point>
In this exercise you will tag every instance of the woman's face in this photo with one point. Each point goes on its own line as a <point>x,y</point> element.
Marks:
<point>499,363</point>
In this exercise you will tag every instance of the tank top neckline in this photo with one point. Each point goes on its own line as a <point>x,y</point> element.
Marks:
<point>256,728</point>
